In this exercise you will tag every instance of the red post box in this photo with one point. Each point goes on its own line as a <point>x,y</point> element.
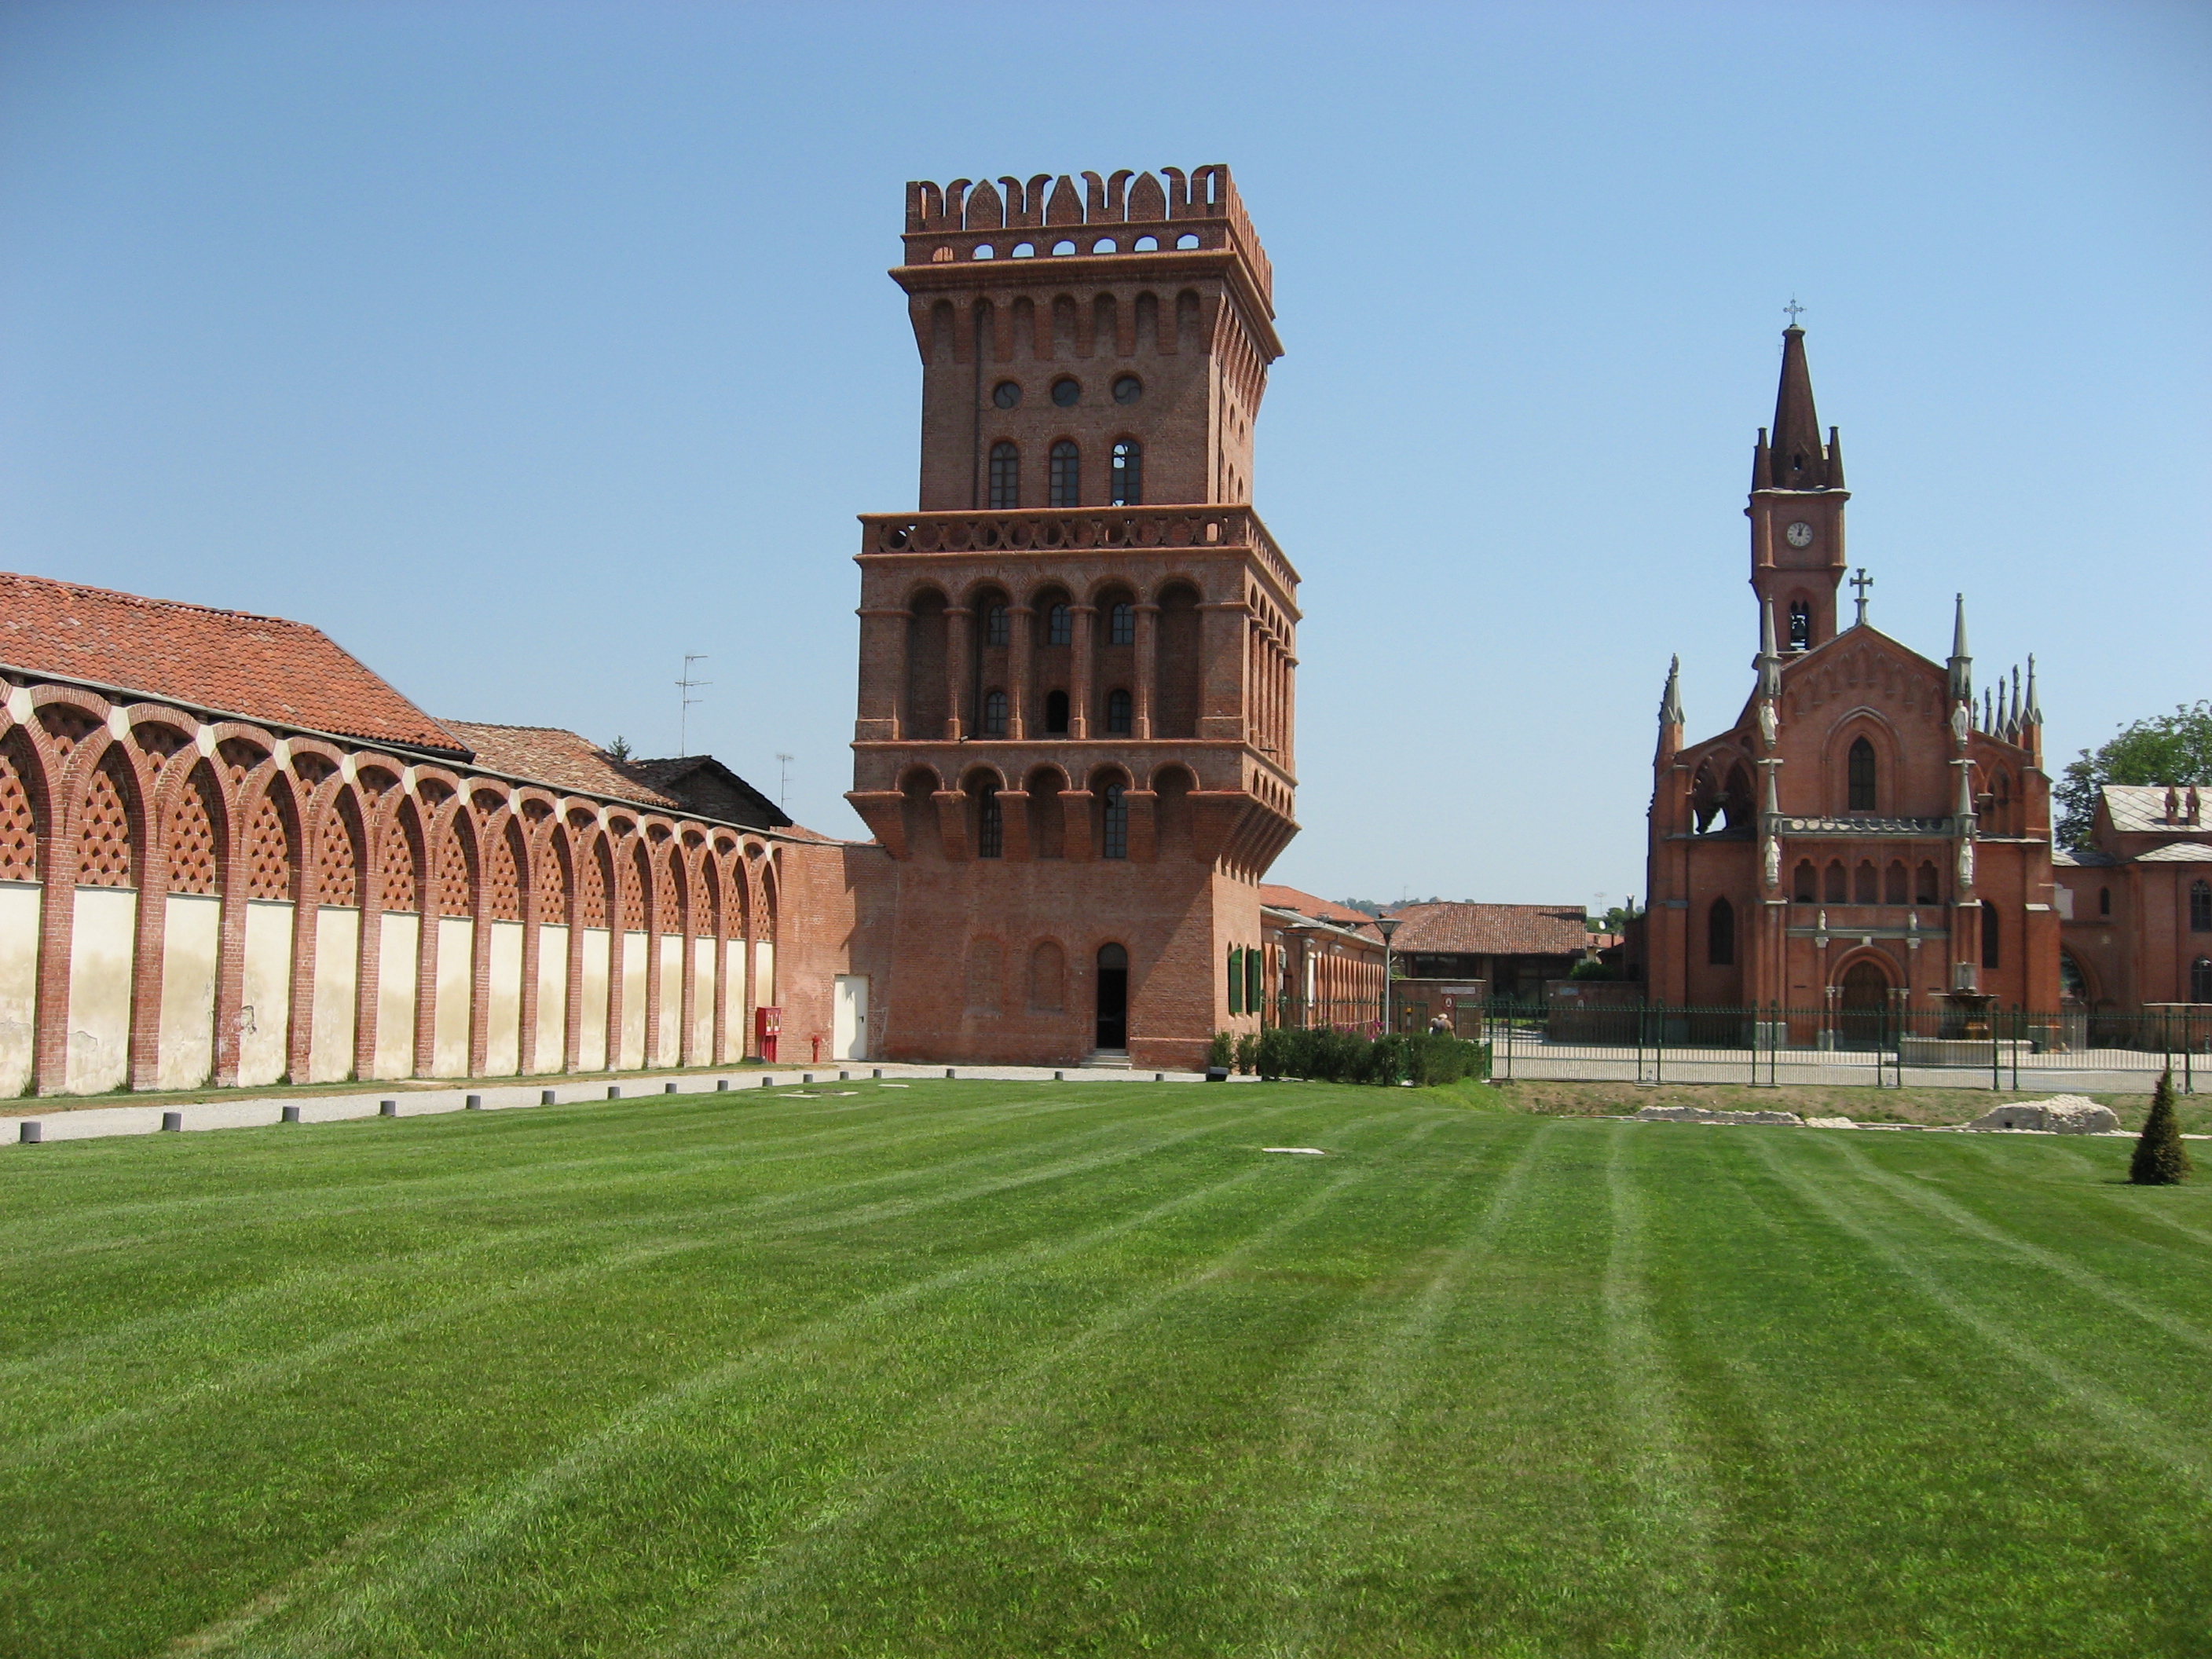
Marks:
<point>767,1025</point>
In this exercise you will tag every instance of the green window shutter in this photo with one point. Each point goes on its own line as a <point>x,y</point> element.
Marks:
<point>1252,1001</point>
<point>1235,979</point>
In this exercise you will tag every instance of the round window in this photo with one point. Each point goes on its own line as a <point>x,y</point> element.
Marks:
<point>1005,394</point>
<point>1128,389</point>
<point>1066,393</point>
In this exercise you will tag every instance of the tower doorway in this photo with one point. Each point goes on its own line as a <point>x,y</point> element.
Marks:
<point>1864,1005</point>
<point>1113,997</point>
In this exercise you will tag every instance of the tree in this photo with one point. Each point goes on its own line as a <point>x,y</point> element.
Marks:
<point>2168,749</point>
<point>2160,1159</point>
<point>619,748</point>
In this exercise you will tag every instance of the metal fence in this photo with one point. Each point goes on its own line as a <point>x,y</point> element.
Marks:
<point>1890,1046</point>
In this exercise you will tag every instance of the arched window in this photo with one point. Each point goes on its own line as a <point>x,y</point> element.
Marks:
<point>1120,714</point>
<point>990,827</point>
<point>1055,714</point>
<point>2200,980</point>
<point>994,714</point>
<point>2104,900</point>
<point>1924,889</point>
<point>1126,477</point>
<point>1122,624</point>
<point>1991,956</point>
<point>1837,891</point>
<point>1067,475</point>
<point>2200,907</point>
<point>1801,625</point>
<point>1894,883</point>
<point>1720,934</point>
<point>1116,827</point>
<point>1060,626</point>
<point>1808,884</point>
<point>997,626</point>
<point>1006,476</point>
<point>1860,769</point>
<point>1865,886</point>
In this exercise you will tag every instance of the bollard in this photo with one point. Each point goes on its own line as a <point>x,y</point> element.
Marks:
<point>768,1083</point>
<point>31,1133</point>
<point>545,1098</point>
<point>807,1076</point>
<point>721,1084</point>
<point>473,1103</point>
<point>614,1091</point>
<point>948,1070</point>
<point>387,1109</point>
<point>1060,1077</point>
<point>668,1088</point>
<point>291,1115</point>
<point>1160,1077</point>
<point>879,1072</point>
<point>844,1077</point>
<point>173,1121</point>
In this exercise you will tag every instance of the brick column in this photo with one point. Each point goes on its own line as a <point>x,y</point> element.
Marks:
<point>1078,688</point>
<point>306,913</point>
<point>151,868</point>
<point>368,973</point>
<point>959,669</point>
<point>1020,617</point>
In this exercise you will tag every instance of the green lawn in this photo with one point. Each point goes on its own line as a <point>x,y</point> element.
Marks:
<point>985,1368</point>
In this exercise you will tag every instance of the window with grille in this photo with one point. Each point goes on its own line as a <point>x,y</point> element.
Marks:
<point>994,714</point>
<point>990,827</point>
<point>1860,769</point>
<point>1067,475</point>
<point>1118,823</point>
<point>1122,624</point>
<point>1006,476</point>
<point>1128,479</point>
<point>997,626</point>
<point>1060,626</point>
<point>1119,712</point>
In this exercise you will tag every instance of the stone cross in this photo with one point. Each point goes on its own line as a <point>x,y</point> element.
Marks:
<point>1860,583</point>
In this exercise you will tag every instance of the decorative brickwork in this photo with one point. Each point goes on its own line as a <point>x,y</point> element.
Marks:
<point>195,863</point>
<point>337,862</point>
<point>268,852</point>
<point>103,836</point>
<point>668,907</point>
<point>19,823</point>
<point>552,881</point>
<point>503,878</point>
<point>454,886</point>
<point>67,726</point>
<point>591,881</point>
<point>633,890</point>
<point>399,862</point>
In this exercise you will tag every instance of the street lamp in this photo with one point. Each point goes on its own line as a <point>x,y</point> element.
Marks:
<point>1388,924</point>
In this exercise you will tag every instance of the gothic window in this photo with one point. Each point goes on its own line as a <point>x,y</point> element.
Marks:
<point>1989,953</point>
<point>1067,475</point>
<point>2200,907</point>
<point>1118,823</point>
<point>990,827</point>
<point>1128,477</point>
<point>1122,624</point>
<point>1060,626</point>
<point>997,626</point>
<point>1006,476</point>
<point>1894,885</point>
<point>1720,934</point>
<point>1861,766</point>
<point>1925,890</point>
<point>994,714</point>
<point>1055,714</point>
<point>1807,886</point>
<point>1120,715</point>
<point>1837,891</point>
<point>1801,625</point>
<point>2104,900</point>
<point>1865,887</point>
<point>2200,980</point>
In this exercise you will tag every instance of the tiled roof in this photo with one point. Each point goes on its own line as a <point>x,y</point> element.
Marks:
<point>1499,930</point>
<point>2140,808</point>
<point>564,759</point>
<point>259,668</point>
<point>1308,905</point>
<point>2089,858</point>
<point>2178,852</point>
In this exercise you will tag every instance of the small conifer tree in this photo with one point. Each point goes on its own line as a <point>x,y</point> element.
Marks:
<point>2160,1159</point>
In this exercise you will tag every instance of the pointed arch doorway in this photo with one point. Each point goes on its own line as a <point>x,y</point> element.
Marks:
<point>1113,1022</point>
<point>1863,1007</point>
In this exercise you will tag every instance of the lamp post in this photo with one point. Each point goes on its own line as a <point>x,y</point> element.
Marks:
<point>1388,926</point>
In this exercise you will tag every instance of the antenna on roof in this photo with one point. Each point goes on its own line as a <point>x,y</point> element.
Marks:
<point>783,779</point>
<point>686,686</point>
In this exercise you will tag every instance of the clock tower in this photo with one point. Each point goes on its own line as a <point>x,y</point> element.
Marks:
<point>1796,510</point>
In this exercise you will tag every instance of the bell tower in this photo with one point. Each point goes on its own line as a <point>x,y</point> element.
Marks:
<point>1074,734</point>
<point>1796,510</point>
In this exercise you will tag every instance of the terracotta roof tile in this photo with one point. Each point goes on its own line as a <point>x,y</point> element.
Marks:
<point>259,668</point>
<point>1308,904</point>
<point>566,760</point>
<point>1499,930</point>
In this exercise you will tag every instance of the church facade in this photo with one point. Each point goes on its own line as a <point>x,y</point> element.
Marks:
<point>1865,837</point>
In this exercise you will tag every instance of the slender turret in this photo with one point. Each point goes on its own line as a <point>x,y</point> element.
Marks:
<point>1962,664</point>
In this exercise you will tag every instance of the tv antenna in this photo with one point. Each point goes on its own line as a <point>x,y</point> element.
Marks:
<point>687,685</point>
<point>783,779</point>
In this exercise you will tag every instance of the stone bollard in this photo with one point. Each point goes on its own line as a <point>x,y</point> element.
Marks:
<point>844,1077</point>
<point>173,1121</point>
<point>948,1070</point>
<point>291,1115</point>
<point>1060,1077</point>
<point>807,1076</point>
<point>387,1109</point>
<point>879,1072</point>
<point>668,1088</point>
<point>545,1098</point>
<point>473,1103</point>
<point>614,1091</point>
<point>768,1083</point>
<point>1160,1077</point>
<point>31,1133</point>
<point>721,1084</point>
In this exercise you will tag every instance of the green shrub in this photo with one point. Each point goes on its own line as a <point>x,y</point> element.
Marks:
<point>1248,1051</point>
<point>1591,967</point>
<point>1273,1055</point>
<point>1222,1051</point>
<point>1424,1059</point>
<point>2160,1159</point>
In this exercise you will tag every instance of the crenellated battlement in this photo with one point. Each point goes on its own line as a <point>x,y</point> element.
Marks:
<point>984,219</point>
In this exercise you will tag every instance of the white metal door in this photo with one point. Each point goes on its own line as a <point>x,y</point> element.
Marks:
<point>849,1021</point>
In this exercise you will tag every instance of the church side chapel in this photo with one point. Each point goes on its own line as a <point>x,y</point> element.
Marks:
<point>1868,841</point>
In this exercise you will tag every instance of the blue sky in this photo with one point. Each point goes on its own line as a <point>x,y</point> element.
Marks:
<point>526,348</point>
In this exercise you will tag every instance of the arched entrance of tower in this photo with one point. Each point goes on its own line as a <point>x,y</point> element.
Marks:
<point>1863,1007</point>
<point>1113,1022</point>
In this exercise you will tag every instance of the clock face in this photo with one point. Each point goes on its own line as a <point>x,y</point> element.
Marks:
<point>1799,534</point>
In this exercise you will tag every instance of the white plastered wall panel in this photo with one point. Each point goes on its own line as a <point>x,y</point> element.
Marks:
<point>337,971</point>
<point>19,983</point>
<point>552,997</point>
<point>264,1017</point>
<point>764,975</point>
<point>631,1055</point>
<point>100,957</point>
<point>735,1032</point>
<point>591,1016</point>
<point>191,934</point>
<point>399,942</point>
<point>671,997</point>
<point>702,1012</point>
<point>503,1002</point>
<point>449,1034</point>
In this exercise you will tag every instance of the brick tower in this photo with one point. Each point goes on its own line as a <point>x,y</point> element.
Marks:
<point>1074,730</point>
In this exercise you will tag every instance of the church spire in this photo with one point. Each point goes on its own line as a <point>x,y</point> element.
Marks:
<point>1962,664</point>
<point>1670,704</point>
<point>1795,456</point>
